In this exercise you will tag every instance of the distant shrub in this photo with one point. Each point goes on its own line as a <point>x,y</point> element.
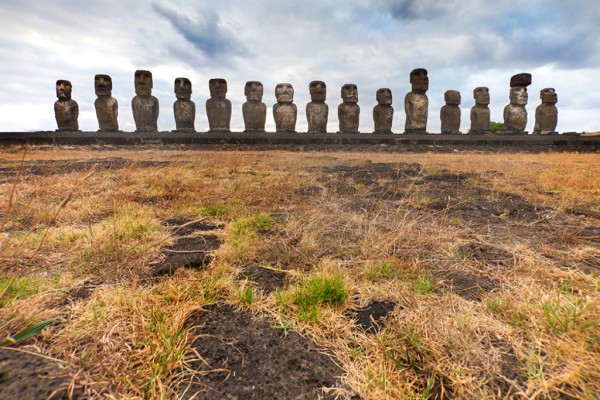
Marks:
<point>496,127</point>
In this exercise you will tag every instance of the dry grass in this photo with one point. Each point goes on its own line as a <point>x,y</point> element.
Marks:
<point>533,335</point>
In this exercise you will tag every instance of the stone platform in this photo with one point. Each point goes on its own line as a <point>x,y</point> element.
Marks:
<point>400,141</point>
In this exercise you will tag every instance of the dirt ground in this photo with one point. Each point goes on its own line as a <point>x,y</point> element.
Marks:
<point>243,355</point>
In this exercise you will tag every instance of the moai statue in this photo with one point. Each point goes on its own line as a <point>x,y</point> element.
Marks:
<point>218,108</point>
<point>254,110</point>
<point>317,112</point>
<point>285,111</point>
<point>66,110</point>
<point>515,114</point>
<point>107,108</point>
<point>416,103</point>
<point>546,114</point>
<point>184,108</point>
<point>450,113</point>
<point>349,110</point>
<point>383,112</point>
<point>480,112</point>
<point>144,105</point>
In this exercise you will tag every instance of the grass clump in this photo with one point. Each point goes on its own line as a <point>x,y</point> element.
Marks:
<point>12,289</point>
<point>383,270</point>
<point>318,290</point>
<point>243,234</point>
<point>247,296</point>
<point>426,283</point>
<point>250,225</point>
<point>566,312</point>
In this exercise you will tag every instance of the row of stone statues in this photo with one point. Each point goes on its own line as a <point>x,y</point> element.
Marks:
<point>218,109</point>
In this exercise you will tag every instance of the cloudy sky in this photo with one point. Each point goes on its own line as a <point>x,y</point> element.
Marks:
<point>372,43</point>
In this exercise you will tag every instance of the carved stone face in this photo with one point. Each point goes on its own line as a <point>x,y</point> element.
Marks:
<point>548,95</point>
<point>384,96</point>
<point>419,80</point>
<point>482,96</point>
<point>143,83</point>
<point>318,91</point>
<point>452,97</point>
<point>183,88</point>
<point>218,88</point>
<point>103,85</point>
<point>284,92</point>
<point>254,91</point>
<point>350,93</point>
<point>63,89</point>
<point>518,96</point>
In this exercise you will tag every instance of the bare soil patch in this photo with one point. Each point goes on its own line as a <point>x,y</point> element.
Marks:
<point>193,248</point>
<point>58,167</point>
<point>468,285</point>
<point>246,358</point>
<point>267,279</point>
<point>27,376</point>
<point>372,317</point>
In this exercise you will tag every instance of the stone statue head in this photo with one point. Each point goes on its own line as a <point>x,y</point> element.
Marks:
<point>318,90</point>
<point>452,97</point>
<point>350,93</point>
<point>284,92</point>
<point>419,80</point>
<point>518,96</point>
<point>143,82</point>
<point>63,89</point>
<point>253,91</point>
<point>384,96</point>
<point>548,95</point>
<point>183,88</point>
<point>218,88</point>
<point>481,95</point>
<point>103,85</point>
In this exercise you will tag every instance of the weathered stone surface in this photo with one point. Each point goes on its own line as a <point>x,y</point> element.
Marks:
<point>107,107</point>
<point>450,113</point>
<point>254,110</point>
<point>66,110</point>
<point>546,114</point>
<point>480,113</point>
<point>285,111</point>
<point>515,114</point>
<point>416,103</point>
<point>184,108</point>
<point>144,106</point>
<point>349,110</point>
<point>317,112</point>
<point>383,112</point>
<point>522,79</point>
<point>218,108</point>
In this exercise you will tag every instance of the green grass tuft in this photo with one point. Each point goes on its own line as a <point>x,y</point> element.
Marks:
<point>316,291</point>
